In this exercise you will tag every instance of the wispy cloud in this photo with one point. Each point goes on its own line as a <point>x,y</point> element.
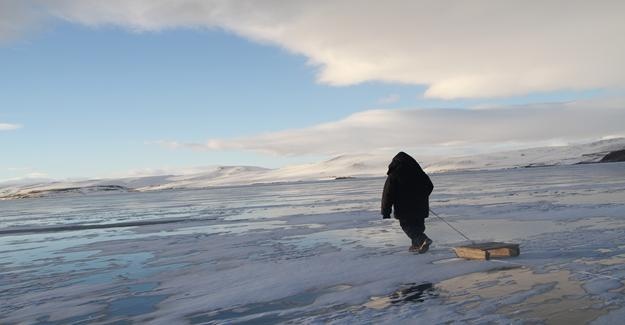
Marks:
<point>9,126</point>
<point>177,145</point>
<point>481,48</point>
<point>390,99</point>
<point>36,175</point>
<point>437,130</point>
<point>21,174</point>
<point>18,169</point>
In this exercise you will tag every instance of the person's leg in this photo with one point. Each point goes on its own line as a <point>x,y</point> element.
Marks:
<point>423,241</point>
<point>414,230</point>
<point>417,227</point>
<point>408,229</point>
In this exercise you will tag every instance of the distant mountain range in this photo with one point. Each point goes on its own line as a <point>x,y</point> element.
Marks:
<point>345,166</point>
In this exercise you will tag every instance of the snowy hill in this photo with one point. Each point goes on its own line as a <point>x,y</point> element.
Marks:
<point>533,157</point>
<point>356,165</point>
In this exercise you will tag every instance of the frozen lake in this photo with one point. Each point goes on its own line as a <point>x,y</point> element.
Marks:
<point>319,252</point>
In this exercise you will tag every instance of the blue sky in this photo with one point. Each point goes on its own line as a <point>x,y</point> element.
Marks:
<point>93,100</point>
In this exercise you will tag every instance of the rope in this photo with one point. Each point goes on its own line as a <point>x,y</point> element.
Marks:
<point>452,227</point>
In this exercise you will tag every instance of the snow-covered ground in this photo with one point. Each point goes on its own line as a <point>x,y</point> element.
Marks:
<point>353,165</point>
<point>318,252</point>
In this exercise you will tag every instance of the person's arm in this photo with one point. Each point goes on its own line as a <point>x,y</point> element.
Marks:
<point>387,199</point>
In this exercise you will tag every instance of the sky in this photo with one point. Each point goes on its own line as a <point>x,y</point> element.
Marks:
<point>98,89</point>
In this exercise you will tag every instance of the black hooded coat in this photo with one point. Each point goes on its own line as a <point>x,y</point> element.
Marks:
<point>407,189</point>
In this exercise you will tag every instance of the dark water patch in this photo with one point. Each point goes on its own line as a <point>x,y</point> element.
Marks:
<point>135,270</point>
<point>143,287</point>
<point>133,306</point>
<point>117,312</point>
<point>119,322</point>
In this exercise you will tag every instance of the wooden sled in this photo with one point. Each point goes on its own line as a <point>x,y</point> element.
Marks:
<point>486,251</point>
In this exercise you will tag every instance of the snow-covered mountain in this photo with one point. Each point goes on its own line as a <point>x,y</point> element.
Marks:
<point>355,165</point>
<point>532,157</point>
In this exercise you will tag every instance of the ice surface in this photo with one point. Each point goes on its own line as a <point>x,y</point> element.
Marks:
<point>319,252</point>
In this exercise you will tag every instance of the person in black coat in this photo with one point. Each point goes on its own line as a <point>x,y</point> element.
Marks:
<point>406,192</point>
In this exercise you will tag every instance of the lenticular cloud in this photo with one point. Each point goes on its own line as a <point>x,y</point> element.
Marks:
<point>425,128</point>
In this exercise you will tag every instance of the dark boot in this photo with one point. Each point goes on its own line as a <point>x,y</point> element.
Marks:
<point>425,244</point>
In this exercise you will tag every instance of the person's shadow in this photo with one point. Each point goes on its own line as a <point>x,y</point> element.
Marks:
<point>413,293</point>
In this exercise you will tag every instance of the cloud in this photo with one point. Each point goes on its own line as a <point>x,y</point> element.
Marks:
<point>17,17</point>
<point>36,175</point>
<point>18,169</point>
<point>8,126</point>
<point>177,145</point>
<point>390,99</point>
<point>438,131</point>
<point>481,48</point>
<point>23,174</point>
